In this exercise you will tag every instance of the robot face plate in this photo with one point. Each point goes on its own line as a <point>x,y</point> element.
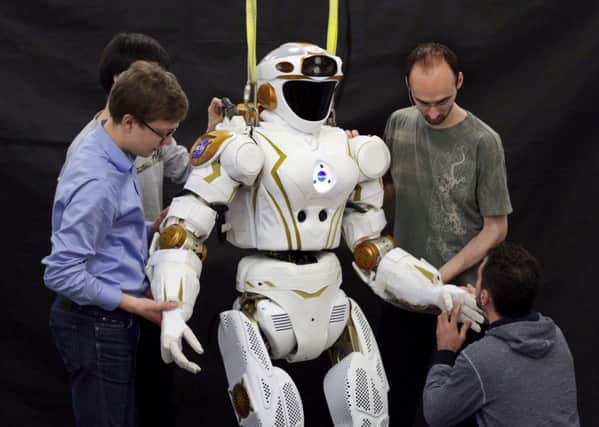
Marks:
<point>309,100</point>
<point>323,177</point>
<point>303,78</point>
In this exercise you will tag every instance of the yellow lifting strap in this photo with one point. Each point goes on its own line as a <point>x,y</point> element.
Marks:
<point>251,12</point>
<point>250,91</point>
<point>333,28</point>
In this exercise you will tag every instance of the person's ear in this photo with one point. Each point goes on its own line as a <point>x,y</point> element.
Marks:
<point>484,297</point>
<point>127,122</point>
<point>459,81</point>
<point>409,90</point>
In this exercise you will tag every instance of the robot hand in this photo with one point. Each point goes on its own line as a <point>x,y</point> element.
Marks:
<point>174,329</point>
<point>450,295</point>
<point>174,276</point>
<point>412,283</point>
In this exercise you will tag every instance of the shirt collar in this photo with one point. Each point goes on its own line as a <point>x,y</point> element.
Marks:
<point>123,162</point>
<point>531,317</point>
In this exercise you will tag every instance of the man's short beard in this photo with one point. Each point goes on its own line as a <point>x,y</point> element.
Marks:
<point>437,122</point>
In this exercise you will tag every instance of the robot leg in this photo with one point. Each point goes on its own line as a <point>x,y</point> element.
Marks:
<point>262,395</point>
<point>361,377</point>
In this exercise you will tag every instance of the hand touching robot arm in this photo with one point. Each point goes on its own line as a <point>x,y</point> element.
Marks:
<point>174,268</point>
<point>176,253</point>
<point>400,278</point>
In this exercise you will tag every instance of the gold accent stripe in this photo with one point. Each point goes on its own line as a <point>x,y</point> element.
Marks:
<point>180,295</point>
<point>327,245</point>
<point>270,284</point>
<point>358,193</point>
<point>216,138</point>
<point>307,295</point>
<point>215,173</point>
<point>339,218</point>
<point>426,273</point>
<point>282,219</point>
<point>249,284</point>
<point>275,176</point>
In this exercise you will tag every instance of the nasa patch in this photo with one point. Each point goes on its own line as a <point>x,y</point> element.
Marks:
<point>199,148</point>
<point>323,177</point>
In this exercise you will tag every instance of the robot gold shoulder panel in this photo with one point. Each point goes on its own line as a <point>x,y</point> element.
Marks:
<point>207,145</point>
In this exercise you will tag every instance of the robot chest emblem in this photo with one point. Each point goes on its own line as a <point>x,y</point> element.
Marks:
<point>323,177</point>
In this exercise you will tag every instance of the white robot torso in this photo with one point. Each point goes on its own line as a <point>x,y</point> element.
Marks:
<point>297,202</point>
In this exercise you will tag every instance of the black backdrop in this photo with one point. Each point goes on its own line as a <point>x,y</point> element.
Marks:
<point>530,72</point>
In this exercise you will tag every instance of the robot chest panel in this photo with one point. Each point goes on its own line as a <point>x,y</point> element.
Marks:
<point>310,170</point>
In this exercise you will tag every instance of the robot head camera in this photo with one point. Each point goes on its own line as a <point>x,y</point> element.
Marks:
<point>297,81</point>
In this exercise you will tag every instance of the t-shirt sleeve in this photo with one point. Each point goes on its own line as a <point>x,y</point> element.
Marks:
<point>492,191</point>
<point>388,131</point>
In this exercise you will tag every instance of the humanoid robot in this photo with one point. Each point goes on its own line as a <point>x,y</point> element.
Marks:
<point>289,188</point>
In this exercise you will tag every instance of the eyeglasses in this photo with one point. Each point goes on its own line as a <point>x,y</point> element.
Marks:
<point>162,136</point>
<point>445,102</point>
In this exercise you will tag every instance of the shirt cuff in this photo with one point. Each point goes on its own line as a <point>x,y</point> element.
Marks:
<point>109,298</point>
<point>444,357</point>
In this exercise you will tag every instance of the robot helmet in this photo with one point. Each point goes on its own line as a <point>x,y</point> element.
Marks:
<point>297,81</point>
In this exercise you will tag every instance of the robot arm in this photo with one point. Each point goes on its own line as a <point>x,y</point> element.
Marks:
<point>174,269</point>
<point>364,219</point>
<point>403,280</point>
<point>222,162</point>
<point>400,278</point>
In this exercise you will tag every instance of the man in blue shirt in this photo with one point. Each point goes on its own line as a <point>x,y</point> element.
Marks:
<point>100,245</point>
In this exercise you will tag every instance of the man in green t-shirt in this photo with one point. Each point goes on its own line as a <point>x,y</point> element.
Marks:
<point>451,206</point>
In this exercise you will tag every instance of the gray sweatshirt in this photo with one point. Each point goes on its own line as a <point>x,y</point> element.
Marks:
<point>520,373</point>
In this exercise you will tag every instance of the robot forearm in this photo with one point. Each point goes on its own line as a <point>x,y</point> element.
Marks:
<point>414,284</point>
<point>174,270</point>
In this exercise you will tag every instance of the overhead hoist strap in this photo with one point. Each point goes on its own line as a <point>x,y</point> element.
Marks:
<point>333,28</point>
<point>250,22</point>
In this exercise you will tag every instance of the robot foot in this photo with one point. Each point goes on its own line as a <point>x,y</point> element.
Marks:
<point>262,395</point>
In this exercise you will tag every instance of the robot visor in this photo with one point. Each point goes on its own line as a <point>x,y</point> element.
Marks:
<point>319,66</point>
<point>309,100</point>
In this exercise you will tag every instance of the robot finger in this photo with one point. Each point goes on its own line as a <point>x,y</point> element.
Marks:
<point>166,355</point>
<point>472,314</point>
<point>181,360</point>
<point>192,340</point>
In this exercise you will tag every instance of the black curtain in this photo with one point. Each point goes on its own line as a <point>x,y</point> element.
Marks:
<point>530,72</point>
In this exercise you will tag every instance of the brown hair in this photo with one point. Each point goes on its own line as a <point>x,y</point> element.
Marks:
<point>148,93</point>
<point>426,53</point>
<point>513,277</point>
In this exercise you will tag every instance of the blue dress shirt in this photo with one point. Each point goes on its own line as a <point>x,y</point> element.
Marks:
<point>99,236</point>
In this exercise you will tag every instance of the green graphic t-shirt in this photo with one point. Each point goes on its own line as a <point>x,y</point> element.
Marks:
<point>445,181</point>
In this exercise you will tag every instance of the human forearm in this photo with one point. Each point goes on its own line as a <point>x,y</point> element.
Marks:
<point>176,162</point>
<point>494,231</point>
<point>451,393</point>
<point>145,307</point>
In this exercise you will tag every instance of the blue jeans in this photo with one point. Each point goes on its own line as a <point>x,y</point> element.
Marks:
<point>98,348</point>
